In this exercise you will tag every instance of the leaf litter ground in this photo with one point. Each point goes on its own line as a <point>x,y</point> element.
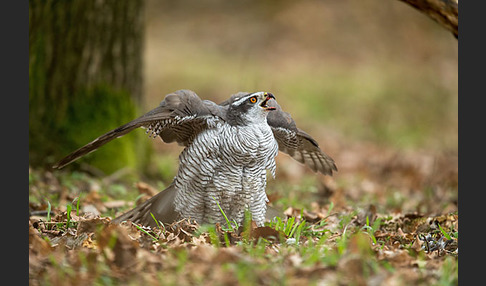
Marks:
<point>354,230</point>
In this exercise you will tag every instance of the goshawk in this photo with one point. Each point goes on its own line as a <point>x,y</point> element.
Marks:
<point>228,149</point>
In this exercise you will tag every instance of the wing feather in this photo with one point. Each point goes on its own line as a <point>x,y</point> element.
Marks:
<point>179,117</point>
<point>297,143</point>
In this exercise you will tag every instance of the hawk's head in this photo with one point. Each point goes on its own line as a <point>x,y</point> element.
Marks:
<point>245,108</point>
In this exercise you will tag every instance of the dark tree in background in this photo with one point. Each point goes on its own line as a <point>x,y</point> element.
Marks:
<point>444,12</point>
<point>85,78</point>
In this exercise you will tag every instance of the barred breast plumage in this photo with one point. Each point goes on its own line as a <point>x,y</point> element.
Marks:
<point>226,165</point>
<point>229,148</point>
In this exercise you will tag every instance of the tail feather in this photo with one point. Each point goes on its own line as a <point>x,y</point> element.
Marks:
<point>160,205</point>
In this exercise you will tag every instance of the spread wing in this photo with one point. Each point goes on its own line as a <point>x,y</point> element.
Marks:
<point>178,118</point>
<point>294,141</point>
<point>297,143</point>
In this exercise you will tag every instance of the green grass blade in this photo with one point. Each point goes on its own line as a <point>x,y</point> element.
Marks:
<point>156,221</point>
<point>144,231</point>
<point>331,206</point>
<point>297,227</point>
<point>299,231</point>
<point>77,205</point>
<point>226,240</point>
<point>48,211</point>
<point>68,215</point>
<point>446,235</point>
<point>289,226</point>
<point>224,215</point>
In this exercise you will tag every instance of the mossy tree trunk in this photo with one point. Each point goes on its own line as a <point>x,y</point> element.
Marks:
<point>85,78</point>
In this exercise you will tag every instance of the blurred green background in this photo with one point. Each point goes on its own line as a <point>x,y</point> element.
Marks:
<point>377,72</point>
<point>350,72</point>
<point>368,70</point>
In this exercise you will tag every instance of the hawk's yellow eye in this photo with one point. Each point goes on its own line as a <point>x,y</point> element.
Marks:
<point>253,99</point>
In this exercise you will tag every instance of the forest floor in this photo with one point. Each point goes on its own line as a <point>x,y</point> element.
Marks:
<point>386,218</point>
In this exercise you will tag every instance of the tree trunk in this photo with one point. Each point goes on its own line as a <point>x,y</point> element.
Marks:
<point>85,64</point>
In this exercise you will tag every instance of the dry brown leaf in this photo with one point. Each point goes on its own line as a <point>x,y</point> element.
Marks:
<point>90,225</point>
<point>115,238</point>
<point>267,233</point>
<point>37,244</point>
<point>229,255</point>
<point>398,257</point>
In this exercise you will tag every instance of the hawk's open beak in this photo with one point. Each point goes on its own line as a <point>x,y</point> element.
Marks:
<point>267,98</point>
